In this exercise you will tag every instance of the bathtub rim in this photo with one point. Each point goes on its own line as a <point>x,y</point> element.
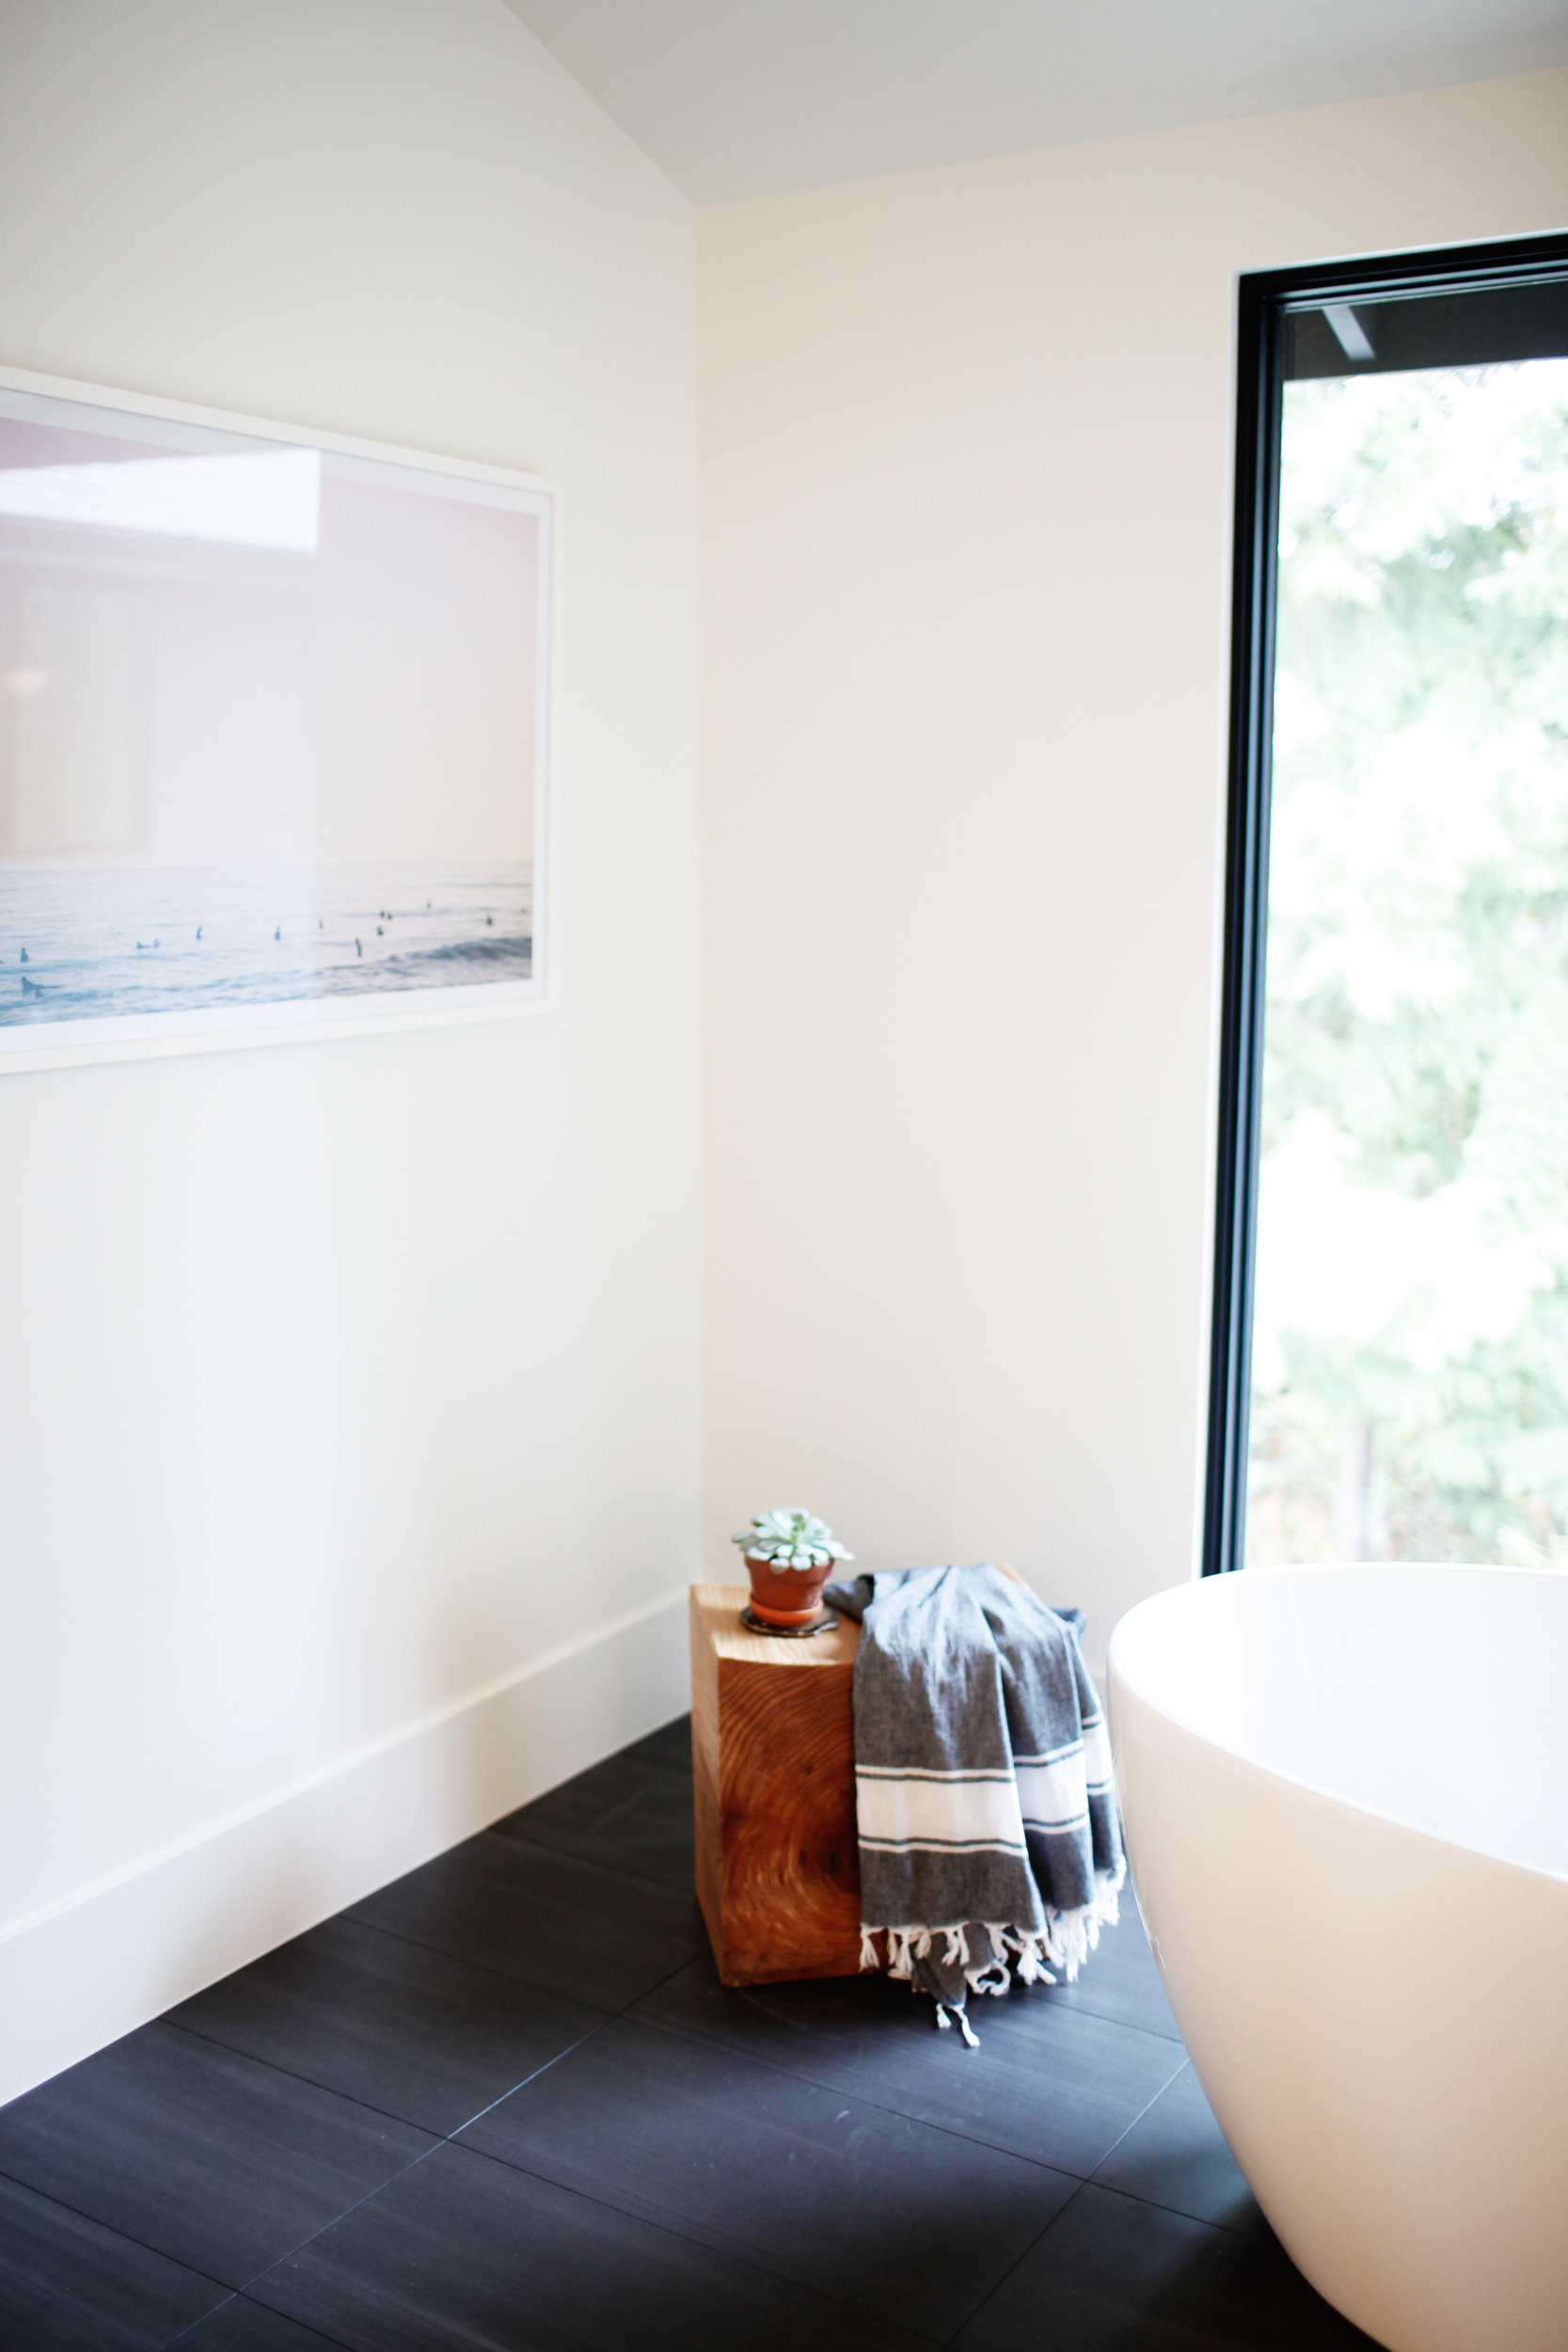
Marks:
<point>1238,1757</point>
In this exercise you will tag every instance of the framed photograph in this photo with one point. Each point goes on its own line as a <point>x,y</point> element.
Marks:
<point>274,730</point>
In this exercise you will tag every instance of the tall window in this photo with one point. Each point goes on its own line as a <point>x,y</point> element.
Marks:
<point>1391,1295</point>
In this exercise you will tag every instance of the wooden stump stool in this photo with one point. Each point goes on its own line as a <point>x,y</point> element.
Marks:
<point>773,1757</point>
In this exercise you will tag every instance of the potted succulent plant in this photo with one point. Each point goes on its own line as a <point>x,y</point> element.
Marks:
<point>789,1556</point>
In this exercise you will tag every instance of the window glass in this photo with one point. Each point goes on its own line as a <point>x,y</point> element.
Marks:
<point>1409,1381</point>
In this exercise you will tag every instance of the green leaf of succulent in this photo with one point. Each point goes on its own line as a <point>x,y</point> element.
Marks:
<point>790,1539</point>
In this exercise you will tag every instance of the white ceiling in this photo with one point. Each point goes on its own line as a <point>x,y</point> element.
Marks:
<point>735,98</point>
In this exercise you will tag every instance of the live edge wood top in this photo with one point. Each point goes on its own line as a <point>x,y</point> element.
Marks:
<point>718,1607</point>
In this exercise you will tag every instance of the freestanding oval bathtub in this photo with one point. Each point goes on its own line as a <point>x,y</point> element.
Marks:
<point>1346,1800</point>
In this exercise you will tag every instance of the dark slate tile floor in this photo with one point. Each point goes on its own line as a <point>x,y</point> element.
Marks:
<point>506,2106</point>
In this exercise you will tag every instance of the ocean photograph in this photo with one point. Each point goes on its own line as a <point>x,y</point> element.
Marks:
<point>83,944</point>
<point>271,730</point>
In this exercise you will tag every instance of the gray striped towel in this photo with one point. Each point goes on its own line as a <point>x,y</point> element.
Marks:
<point>986,1807</point>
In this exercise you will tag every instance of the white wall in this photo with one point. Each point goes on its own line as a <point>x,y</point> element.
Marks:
<point>348,1432</point>
<point>966,445</point>
<point>343,1383</point>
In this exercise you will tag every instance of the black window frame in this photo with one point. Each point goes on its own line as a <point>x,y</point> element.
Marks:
<point>1265,299</point>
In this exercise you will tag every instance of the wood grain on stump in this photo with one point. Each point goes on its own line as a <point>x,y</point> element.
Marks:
<point>773,1753</point>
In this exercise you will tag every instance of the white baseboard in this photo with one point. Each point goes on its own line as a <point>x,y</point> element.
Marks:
<point>90,1969</point>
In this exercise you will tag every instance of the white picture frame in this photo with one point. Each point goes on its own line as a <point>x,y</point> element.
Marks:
<point>143,589</point>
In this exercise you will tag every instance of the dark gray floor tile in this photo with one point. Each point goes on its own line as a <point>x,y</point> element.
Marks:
<point>549,1919</point>
<point>626,1814</point>
<point>1121,1981</point>
<point>902,2220</point>
<point>199,2152</point>
<point>466,2255</point>
<point>68,2284</point>
<point>413,2032</point>
<point>1112,2272</point>
<point>242,2325</point>
<point>1060,2087</point>
<point>669,1745</point>
<point>1174,2154</point>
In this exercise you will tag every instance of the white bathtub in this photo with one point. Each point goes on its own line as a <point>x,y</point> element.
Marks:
<point>1346,1800</point>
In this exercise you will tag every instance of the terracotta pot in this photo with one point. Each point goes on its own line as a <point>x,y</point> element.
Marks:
<point>786,1595</point>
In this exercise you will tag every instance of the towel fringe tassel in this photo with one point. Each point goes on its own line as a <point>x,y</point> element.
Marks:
<point>1068,1937</point>
<point>1064,1943</point>
<point>1032,1948</point>
<point>905,1946</point>
<point>948,2013</point>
